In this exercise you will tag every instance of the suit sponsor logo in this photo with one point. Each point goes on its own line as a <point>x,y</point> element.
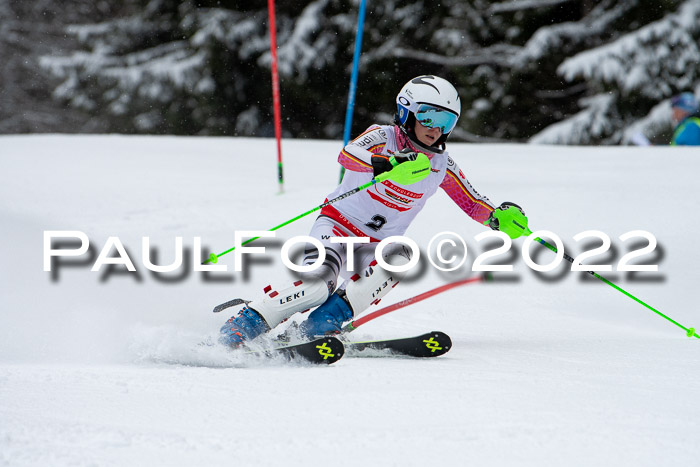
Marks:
<point>402,191</point>
<point>397,197</point>
<point>387,203</point>
<point>367,139</point>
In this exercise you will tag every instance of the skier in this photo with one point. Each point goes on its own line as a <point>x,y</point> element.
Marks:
<point>428,108</point>
<point>686,117</point>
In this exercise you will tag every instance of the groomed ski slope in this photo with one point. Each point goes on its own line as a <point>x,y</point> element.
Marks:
<point>101,368</point>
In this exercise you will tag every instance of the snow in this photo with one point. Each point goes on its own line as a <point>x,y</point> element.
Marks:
<point>300,51</point>
<point>553,37</point>
<point>100,368</point>
<point>632,61</point>
<point>588,123</point>
<point>239,32</point>
<point>145,71</point>
<point>517,5</point>
<point>658,119</point>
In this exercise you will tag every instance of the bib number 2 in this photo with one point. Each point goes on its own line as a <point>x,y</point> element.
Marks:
<point>376,223</point>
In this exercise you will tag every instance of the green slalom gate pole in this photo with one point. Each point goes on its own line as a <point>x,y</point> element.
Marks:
<point>405,174</point>
<point>690,332</point>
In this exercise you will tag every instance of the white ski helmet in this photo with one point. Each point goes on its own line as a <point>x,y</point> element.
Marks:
<point>433,102</point>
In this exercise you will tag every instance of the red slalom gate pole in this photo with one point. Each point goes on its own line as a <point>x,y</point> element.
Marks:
<point>409,301</point>
<point>276,91</point>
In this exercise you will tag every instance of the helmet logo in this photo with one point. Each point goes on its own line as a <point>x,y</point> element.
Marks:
<point>403,114</point>
<point>421,80</point>
<point>404,101</point>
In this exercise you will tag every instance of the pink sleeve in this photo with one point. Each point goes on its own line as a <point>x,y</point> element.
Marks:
<point>463,193</point>
<point>357,155</point>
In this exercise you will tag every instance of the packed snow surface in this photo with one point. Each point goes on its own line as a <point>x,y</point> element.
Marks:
<point>108,367</point>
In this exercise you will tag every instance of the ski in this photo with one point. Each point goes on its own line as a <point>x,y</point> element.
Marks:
<point>431,344</point>
<point>324,350</point>
<point>229,304</point>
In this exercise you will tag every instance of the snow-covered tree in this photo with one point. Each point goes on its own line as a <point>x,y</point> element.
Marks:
<point>29,29</point>
<point>627,77</point>
<point>522,66</point>
<point>202,68</point>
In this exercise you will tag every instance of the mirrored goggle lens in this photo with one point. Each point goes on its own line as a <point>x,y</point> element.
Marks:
<point>432,117</point>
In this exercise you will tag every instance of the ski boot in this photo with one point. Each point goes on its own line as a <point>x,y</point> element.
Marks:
<point>328,318</point>
<point>244,327</point>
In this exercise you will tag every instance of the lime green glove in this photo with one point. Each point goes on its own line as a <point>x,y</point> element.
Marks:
<point>406,171</point>
<point>508,218</point>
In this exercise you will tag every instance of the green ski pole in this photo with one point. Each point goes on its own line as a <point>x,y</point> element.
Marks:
<point>690,332</point>
<point>406,173</point>
<point>514,223</point>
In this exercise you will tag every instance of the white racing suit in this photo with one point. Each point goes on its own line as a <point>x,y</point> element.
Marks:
<point>383,210</point>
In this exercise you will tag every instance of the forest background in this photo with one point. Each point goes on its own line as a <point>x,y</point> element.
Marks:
<point>543,71</point>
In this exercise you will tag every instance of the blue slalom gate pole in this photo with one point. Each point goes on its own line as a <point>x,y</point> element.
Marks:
<point>353,78</point>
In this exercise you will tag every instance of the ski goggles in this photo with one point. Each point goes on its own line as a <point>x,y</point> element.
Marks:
<point>434,117</point>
